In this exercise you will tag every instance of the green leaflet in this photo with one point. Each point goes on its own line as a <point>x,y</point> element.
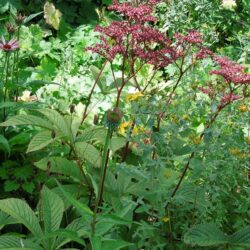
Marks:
<point>8,242</point>
<point>27,120</point>
<point>82,208</point>
<point>241,238</point>
<point>59,122</point>
<point>21,211</point>
<point>52,208</point>
<point>89,153</point>
<point>206,235</point>
<point>40,141</point>
<point>60,165</point>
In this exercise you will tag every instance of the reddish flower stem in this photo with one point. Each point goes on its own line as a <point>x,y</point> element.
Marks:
<point>91,92</point>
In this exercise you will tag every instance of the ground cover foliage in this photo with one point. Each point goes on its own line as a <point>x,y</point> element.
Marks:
<point>124,125</point>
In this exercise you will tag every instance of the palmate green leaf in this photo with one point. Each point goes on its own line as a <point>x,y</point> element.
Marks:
<point>59,165</point>
<point>29,187</point>
<point>27,120</point>
<point>66,234</point>
<point>21,211</point>
<point>241,238</point>
<point>205,235</point>
<point>89,153</point>
<point>52,208</point>
<point>116,142</point>
<point>78,226</point>
<point>72,189</point>
<point>107,222</point>
<point>40,140</point>
<point>14,243</point>
<point>82,208</point>
<point>89,134</point>
<point>59,122</point>
<point>191,193</point>
<point>11,185</point>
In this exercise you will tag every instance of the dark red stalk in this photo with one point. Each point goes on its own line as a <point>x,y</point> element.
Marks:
<point>92,91</point>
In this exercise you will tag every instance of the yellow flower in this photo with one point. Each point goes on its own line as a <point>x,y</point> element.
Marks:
<point>127,125</point>
<point>197,140</point>
<point>234,151</point>
<point>123,126</point>
<point>137,130</point>
<point>244,108</point>
<point>167,174</point>
<point>186,117</point>
<point>230,123</point>
<point>247,140</point>
<point>165,219</point>
<point>237,153</point>
<point>175,119</point>
<point>133,96</point>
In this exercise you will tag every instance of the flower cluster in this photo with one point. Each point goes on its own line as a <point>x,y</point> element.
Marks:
<point>142,13</point>
<point>192,37</point>
<point>133,37</point>
<point>244,108</point>
<point>228,98</point>
<point>231,71</point>
<point>125,126</point>
<point>208,91</point>
<point>184,42</point>
<point>233,75</point>
<point>203,53</point>
<point>133,96</point>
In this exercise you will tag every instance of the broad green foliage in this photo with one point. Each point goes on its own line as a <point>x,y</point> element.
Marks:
<point>20,211</point>
<point>209,235</point>
<point>48,236</point>
<point>139,142</point>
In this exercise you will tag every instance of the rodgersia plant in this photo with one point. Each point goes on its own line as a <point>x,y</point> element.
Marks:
<point>129,46</point>
<point>137,43</point>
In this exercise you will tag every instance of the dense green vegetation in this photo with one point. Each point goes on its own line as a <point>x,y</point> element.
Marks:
<point>124,125</point>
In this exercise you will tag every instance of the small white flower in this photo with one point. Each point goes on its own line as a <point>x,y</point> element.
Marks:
<point>229,4</point>
<point>26,97</point>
